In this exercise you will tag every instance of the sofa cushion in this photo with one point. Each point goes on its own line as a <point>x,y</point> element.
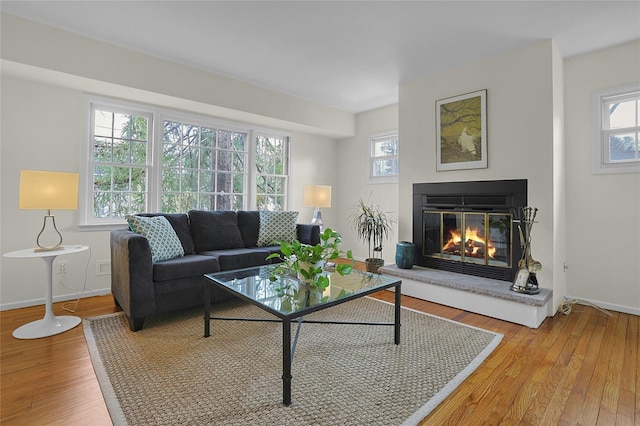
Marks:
<point>184,267</point>
<point>180,223</point>
<point>163,240</point>
<point>277,226</point>
<point>215,230</point>
<point>239,258</point>
<point>249,224</point>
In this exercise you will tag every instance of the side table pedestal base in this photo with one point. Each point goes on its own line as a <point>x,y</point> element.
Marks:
<point>46,327</point>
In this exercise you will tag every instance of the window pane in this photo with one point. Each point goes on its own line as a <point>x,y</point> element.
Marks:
<point>207,182</point>
<point>225,139</point>
<point>120,151</point>
<point>121,178</point>
<point>101,202</point>
<point>623,114</point>
<point>138,180</point>
<point>138,152</point>
<point>623,147</point>
<point>207,137</point>
<point>206,158</point>
<point>102,178</point>
<point>385,147</point>
<point>238,183</point>
<point>170,180</point>
<point>385,167</point>
<point>102,150</point>
<point>120,205</point>
<point>138,203</point>
<point>171,203</point>
<point>103,123</point>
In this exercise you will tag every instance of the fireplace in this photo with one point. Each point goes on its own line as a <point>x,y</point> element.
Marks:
<point>466,227</point>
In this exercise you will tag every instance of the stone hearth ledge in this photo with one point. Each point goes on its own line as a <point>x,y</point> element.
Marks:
<point>485,296</point>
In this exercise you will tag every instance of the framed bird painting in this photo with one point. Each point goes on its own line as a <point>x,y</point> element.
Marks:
<point>461,132</point>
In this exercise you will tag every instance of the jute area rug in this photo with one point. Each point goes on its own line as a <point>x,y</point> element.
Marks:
<point>169,374</point>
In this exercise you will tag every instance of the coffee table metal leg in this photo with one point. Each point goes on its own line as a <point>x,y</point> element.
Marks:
<point>286,362</point>
<point>396,334</point>
<point>207,310</point>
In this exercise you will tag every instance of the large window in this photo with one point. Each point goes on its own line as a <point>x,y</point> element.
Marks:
<point>202,168</point>
<point>616,144</point>
<point>145,159</point>
<point>383,157</point>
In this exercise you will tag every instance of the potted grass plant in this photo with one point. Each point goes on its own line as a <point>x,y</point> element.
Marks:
<point>373,227</point>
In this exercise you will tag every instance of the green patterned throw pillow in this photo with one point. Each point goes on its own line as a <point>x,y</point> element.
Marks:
<point>277,226</point>
<point>163,240</point>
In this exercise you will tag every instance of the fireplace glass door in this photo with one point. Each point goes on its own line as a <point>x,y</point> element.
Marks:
<point>468,237</point>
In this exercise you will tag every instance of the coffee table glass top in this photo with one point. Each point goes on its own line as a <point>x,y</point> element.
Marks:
<point>289,297</point>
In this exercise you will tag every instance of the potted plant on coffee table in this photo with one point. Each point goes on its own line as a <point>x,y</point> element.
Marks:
<point>307,262</point>
<point>373,227</point>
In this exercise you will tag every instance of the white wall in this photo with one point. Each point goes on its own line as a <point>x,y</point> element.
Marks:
<point>28,48</point>
<point>42,129</point>
<point>603,211</point>
<point>520,118</point>
<point>44,75</point>
<point>353,177</point>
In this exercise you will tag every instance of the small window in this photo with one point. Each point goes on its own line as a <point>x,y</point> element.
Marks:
<point>384,152</point>
<point>272,172</point>
<point>616,143</point>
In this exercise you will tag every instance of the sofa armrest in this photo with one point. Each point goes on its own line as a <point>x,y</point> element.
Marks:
<point>308,233</point>
<point>132,273</point>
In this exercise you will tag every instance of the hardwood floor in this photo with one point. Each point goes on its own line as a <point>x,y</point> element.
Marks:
<point>582,368</point>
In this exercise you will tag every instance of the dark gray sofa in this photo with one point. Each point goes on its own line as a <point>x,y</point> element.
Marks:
<point>212,241</point>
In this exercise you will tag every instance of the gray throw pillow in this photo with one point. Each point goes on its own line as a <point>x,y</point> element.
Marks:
<point>215,230</point>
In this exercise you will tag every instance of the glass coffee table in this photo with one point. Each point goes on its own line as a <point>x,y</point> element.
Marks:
<point>290,300</point>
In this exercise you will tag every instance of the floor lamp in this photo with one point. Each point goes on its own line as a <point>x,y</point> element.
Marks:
<point>317,196</point>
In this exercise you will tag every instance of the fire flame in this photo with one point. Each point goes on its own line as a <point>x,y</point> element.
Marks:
<point>473,243</point>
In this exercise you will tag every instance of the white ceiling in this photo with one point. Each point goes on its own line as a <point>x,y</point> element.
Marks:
<point>351,55</point>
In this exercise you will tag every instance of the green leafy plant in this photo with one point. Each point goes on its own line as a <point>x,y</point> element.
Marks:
<point>307,261</point>
<point>372,226</point>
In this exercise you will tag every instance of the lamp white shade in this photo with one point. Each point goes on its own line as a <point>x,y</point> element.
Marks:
<point>317,196</point>
<point>40,190</point>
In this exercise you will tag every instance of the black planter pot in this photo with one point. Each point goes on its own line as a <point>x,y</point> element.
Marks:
<point>373,264</point>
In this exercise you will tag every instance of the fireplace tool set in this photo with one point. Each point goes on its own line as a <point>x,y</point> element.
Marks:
<point>525,280</point>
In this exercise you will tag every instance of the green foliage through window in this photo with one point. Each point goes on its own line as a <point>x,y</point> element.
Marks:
<point>199,166</point>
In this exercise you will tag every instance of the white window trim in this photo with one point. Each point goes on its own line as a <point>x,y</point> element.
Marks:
<point>599,145</point>
<point>158,115</point>
<point>370,141</point>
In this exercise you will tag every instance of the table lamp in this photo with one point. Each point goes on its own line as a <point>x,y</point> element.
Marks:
<point>317,196</point>
<point>41,190</point>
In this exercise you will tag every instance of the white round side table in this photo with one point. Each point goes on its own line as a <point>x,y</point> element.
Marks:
<point>50,324</point>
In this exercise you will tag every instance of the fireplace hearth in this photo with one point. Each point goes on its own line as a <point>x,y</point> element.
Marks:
<point>467,227</point>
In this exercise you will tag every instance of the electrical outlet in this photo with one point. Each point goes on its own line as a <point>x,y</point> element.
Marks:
<point>103,267</point>
<point>62,268</point>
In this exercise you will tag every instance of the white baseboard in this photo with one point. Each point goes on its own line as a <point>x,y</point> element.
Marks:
<point>608,306</point>
<point>59,298</point>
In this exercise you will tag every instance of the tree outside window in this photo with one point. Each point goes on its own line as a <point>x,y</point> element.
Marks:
<point>197,165</point>
<point>384,154</point>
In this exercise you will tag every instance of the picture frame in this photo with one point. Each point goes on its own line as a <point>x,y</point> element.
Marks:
<point>461,132</point>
